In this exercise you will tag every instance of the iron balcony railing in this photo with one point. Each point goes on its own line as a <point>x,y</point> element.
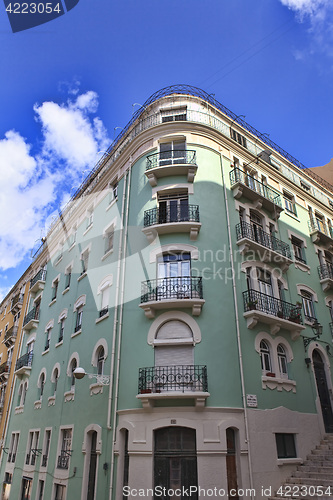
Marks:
<point>316,224</point>
<point>181,287</point>
<point>165,215</point>
<point>174,157</point>
<point>173,378</point>
<point>18,299</point>
<point>325,271</point>
<point>262,302</point>
<point>11,333</point>
<point>4,368</point>
<point>33,314</point>
<point>25,360</point>
<point>238,175</point>
<point>40,276</point>
<point>63,460</point>
<point>255,233</point>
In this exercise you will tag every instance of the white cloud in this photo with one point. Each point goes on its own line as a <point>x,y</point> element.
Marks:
<point>32,186</point>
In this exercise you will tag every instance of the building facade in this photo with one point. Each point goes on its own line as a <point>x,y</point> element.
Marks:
<point>190,278</point>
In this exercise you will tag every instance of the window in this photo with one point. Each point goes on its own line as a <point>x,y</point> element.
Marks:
<point>113,191</point>
<point>285,445</point>
<point>68,276</point>
<point>41,485</point>
<point>84,261</point>
<point>289,203</point>
<point>170,115</point>
<point>90,217</point>
<point>65,449</point>
<point>109,236</point>
<point>173,272</point>
<point>100,360</point>
<point>298,248</point>
<point>13,446</point>
<point>282,360</point>
<point>175,459</point>
<point>61,331</point>
<point>72,369</point>
<point>78,323</point>
<point>32,449</point>
<point>41,384</point>
<point>59,491</point>
<point>22,392</point>
<point>72,238</point>
<point>55,379</point>
<point>172,153</point>
<point>265,354</point>
<point>308,306</point>
<point>47,339</point>
<point>46,447</point>
<point>305,186</point>
<point>26,488</point>
<point>173,207</point>
<point>236,136</point>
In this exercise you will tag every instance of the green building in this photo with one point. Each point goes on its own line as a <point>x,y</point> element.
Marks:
<point>190,279</point>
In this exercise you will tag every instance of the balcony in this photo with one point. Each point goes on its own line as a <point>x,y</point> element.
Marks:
<point>261,195</point>
<point>166,293</point>
<point>4,372</point>
<point>23,364</point>
<point>31,320</point>
<point>320,232</point>
<point>16,304</point>
<point>182,162</point>
<point>262,308</point>
<point>38,281</point>
<point>173,382</point>
<point>63,460</point>
<point>180,219</point>
<point>270,249</point>
<point>325,272</point>
<point>10,336</point>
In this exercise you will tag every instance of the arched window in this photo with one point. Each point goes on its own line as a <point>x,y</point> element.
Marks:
<point>265,354</point>
<point>282,360</point>
<point>100,360</point>
<point>41,384</point>
<point>55,380</point>
<point>73,367</point>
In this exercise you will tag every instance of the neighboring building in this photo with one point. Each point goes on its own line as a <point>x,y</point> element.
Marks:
<point>192,276</point>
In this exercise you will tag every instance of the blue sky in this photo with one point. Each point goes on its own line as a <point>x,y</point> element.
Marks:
<point>67,85</point>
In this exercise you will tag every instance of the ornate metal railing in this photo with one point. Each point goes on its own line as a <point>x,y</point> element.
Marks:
<point>11,333</point>
<point>238,175</point>
<point>255,233</point>
<point>182,287</point>
<point>319,225</point>
<point>165,215</point>
<point>25,360</point>
<point>33,314</point>
<point>40,276</point>
<point>103,312</point>
<point>17,299</point>
<point>63,460</point>
<point>254,300</point>
<point>4,368</point>
<point>173,378</point>
<point>172,157</point>
<point>325,271</point>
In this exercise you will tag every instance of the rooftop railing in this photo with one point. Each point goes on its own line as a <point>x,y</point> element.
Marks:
<point>173,378</point>
<point>181,213</point>
<point>254,300</point>
<point>182,287</point>
<point>238,175</point>
<point>256,234</point>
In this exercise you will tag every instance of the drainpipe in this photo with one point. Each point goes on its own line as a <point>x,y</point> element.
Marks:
<point>238,331</point>
<point>122,263</point>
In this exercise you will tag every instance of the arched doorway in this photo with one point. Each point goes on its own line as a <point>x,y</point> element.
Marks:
<point>175,461</point>
<point>323,392</point>
<point>231,460</point>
